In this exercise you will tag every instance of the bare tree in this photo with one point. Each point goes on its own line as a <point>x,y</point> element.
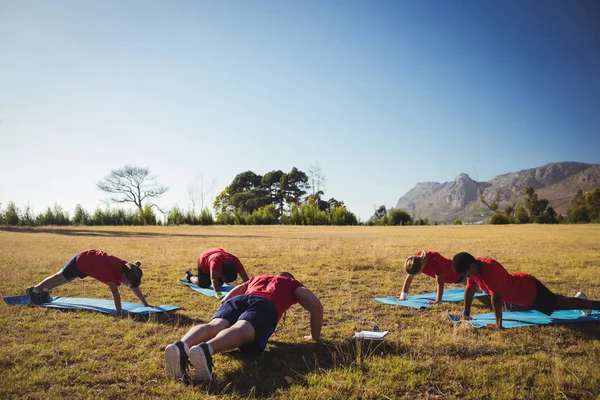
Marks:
<point>132,185</point>
<point>317,178</point>
<point>197,191</point>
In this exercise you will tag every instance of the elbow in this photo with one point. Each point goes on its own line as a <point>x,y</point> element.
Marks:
<point>317,309</point>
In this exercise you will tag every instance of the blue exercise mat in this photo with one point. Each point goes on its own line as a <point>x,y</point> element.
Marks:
<point>420,300</point>
<point>104,306</point>
<point>208,291</point>
<point>515,319</point>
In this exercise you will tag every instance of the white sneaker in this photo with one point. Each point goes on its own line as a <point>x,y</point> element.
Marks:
<point>580,295</point>
<point>176,361</point>
<point>202,362</point>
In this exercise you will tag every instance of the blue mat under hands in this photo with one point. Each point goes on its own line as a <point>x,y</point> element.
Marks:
<point>208,291</point>
<point>515,319</point>
<point>420,300</point>
<point>100,305</point>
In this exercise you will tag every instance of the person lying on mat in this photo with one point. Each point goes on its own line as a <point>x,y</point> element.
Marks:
<point>516,288</point>
<point>432,264</point>
<point>246,319</point>
<point>102,266</point>
<point>217,266</point>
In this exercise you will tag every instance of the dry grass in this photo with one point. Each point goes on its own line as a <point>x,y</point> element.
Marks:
<point>47,353</point>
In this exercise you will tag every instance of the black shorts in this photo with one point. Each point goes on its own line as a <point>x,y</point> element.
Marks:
<point>257,310</point>
<point>204,280</point>
<point>545,300</point>
<point>70,270</point>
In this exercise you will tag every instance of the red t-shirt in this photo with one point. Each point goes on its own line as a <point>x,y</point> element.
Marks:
<point>516,288</point>
<point>213,260</point>
<point>438,265</point>
<point>100,265</point>
<point>279,289</point>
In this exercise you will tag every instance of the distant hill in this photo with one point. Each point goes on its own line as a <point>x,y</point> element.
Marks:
<point>444,202</point>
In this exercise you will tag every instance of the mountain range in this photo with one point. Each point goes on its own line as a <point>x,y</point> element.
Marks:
<point>445,202</point>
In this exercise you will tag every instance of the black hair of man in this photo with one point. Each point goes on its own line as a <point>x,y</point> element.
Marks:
<point>461,262</point>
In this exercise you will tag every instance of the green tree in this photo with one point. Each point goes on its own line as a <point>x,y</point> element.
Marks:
<point>521,216</point>
<point>294,185</point>
<point>175,216</point>
<point>11,214</point>
<point>457,221</point>
<point>80,217</point>
<point>147,216</point>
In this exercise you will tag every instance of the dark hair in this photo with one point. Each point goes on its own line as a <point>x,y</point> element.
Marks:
<point>286,274</point>
<point>229,273</point>
<point>133,273</point>
<point>461,262</point>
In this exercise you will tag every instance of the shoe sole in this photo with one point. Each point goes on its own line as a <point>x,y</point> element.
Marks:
<point>172,359</point>
<point>201,371</point>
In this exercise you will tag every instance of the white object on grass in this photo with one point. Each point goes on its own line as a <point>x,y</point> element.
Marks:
<point>371,335</point>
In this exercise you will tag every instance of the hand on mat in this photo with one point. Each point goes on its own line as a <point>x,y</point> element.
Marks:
<point>466,318</point>
<point>434,302</point>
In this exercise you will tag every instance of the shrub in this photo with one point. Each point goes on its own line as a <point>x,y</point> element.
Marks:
<point>397,216</point>
<point>499,219</point>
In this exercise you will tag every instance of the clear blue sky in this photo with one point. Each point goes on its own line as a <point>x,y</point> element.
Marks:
<point>381,94</point>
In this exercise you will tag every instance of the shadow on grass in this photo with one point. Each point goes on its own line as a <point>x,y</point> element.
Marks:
<point>588,329</point>
<point>261,376</point>
<point>167,318</point>
<point>105,233</point>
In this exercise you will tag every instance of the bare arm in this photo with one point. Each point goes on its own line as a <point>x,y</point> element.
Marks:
<point>311,303</point>
<point>469,294</point>
<point>244,275</point>
<point>440,290</point>
<point>406,286</point>
<point>497,306</point>
<point>140,296</point>
<point>116,296</point>
<point>215,281</point>
<point>239,289</point>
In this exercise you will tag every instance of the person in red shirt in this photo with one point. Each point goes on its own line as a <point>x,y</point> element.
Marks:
<point>246,319</point>
<point>432,264</point>
<point>516,288</point>
<point>102,266</point>
<point>217,266</point>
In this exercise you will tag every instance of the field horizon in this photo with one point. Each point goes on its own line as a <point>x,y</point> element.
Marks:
<point>49,353</point>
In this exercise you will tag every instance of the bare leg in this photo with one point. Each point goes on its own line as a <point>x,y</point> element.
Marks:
<point>574,303</point>
<point>52,282</point>
<point>205,332</point>
<point>240,333</point>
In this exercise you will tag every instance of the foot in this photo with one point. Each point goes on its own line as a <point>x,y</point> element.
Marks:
<point>177,361</point>
<point>580,295</point>
<point>34,298</point>
<point>188,276</point>
<point>202,362</point>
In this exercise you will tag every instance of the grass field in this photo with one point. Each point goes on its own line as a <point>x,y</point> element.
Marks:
<point>48,353</point>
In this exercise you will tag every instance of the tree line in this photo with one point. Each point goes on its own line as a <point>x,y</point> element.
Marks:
<point>277,197</point>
